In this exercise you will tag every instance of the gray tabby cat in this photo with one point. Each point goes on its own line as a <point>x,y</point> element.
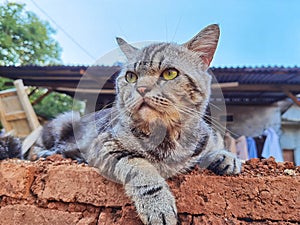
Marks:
<point>156,129</point>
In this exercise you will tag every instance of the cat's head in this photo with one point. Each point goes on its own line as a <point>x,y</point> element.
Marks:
<point>166,82</point>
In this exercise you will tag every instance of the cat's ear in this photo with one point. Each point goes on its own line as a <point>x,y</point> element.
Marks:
<point>126,48</point>
<point>205,43</point>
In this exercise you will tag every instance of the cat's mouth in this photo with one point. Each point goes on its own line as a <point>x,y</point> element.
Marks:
<point>144,104</point>
<point>149,105</point>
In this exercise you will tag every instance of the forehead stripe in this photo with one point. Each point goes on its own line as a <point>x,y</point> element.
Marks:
<point>147,52</point>
<point>158,50</point>
<point>160,62</point>
<point>135,66</point>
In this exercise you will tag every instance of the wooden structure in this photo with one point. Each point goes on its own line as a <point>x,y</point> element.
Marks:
<point>17,115</point>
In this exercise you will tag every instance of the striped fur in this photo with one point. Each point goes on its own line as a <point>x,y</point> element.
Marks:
<point>149,137</point>
<point>10,147</point>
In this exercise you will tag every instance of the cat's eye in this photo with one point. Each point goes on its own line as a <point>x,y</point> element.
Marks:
<point>131,77</point>
<point>170,74</point>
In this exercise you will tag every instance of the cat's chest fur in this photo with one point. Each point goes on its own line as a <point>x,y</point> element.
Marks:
<point>168,154</point>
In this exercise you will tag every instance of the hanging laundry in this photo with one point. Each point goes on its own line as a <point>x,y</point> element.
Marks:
<point>229,143</point>
<point>241,148</point>
<point>260,142</point>
<point>272,146</point>
<point>252,150</point>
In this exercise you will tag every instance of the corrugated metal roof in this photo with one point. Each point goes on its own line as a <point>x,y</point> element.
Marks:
<point>256,85</point>
<point>259,75</point>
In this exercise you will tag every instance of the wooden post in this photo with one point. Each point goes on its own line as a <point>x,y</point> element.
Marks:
<point>4,122</point>
<point>31,139</point>
<point>28,109</point>
<point>293,97</point>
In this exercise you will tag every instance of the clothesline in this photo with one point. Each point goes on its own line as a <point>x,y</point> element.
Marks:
<point>263,146</point>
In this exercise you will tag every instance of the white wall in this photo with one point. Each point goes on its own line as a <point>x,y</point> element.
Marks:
<point>290,138</point>
<point>292,114</point>
<point>253,120</point>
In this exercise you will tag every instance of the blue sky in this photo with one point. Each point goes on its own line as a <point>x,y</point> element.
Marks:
<point>253,32</point>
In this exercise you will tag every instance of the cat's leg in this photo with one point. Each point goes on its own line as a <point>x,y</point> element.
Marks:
<point>221,162</point>
<point>67,150</point>
<point>150,193</point>
<point>215,157</point>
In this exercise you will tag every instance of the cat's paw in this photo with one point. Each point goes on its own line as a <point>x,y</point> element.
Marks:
<point>45,153</point>
<point>224,162</point>
<point>156,205</point>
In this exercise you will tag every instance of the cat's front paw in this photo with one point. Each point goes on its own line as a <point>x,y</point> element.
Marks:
<point>156,205</point>
<point>38,153</point>
<point>224,162</point>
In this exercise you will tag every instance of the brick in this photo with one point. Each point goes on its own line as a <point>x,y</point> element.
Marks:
<point>256,198</point>
<point>109,216</point>
<point>119,216</point>
<point>130,216</point>
<point>33,215</point>
<point>81,184</point>
<point>16,178</point>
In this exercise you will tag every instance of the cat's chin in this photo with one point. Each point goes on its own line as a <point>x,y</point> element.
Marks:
<point>148,114</point>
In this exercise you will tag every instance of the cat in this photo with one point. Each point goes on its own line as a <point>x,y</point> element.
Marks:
<point>10,147</point>
<point>155,130</point>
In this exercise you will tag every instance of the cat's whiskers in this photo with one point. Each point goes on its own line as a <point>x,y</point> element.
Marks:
<point>187,110</point>
<point>111,120</point>
<point>132,104</point>
<point>215,106</point>
<point>107,105</point>
<point>114,117</point>
<point>107,125</point>
<point>204,115</point>
<point>128,112</point>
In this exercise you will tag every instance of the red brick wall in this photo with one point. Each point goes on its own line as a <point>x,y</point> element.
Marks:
<point>62,192</point>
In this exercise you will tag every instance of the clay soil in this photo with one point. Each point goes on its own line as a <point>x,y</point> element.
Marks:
<point>60,191</point>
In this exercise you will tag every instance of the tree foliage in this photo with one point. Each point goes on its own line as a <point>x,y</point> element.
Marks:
<point>5,83</point>
<point>54,104</point>
<point>25,39</point>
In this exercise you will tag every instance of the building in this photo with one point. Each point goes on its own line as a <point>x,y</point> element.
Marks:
<point>247,100</point>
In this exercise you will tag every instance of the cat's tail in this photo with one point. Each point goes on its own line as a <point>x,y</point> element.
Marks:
<point>10,147</point>
<point>56,137</point>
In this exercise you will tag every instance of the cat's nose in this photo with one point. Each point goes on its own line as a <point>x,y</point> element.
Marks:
<point>142,90</point>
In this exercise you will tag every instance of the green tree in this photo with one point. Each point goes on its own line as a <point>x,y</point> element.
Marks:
<point>25,39</point>
<point>54,104</point>
<point>5,83</point>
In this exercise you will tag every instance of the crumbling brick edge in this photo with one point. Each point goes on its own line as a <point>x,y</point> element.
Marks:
<point>63,192</point>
